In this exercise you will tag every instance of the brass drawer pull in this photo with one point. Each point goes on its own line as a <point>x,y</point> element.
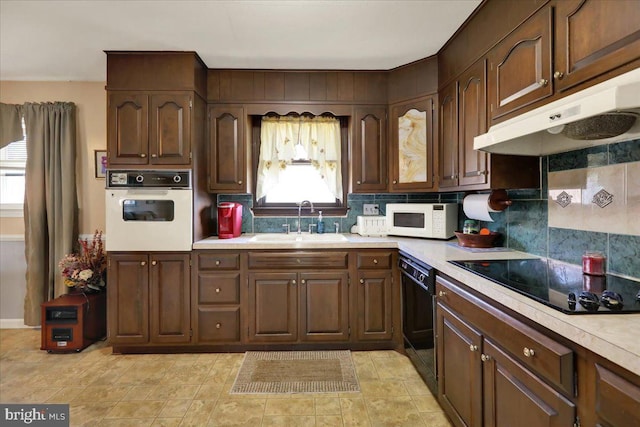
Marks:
<point>375,261</point>
<point>217,262</point>
<point>217,290</point>
<point>442,294</point>
<point>558,74</point>
<point>543,82</point>
<point>218,325</point>
<point>485,357</point>
<point>473,347</point>
<point>528,352</point>
<point>154,262</point>
<point>362,281</point>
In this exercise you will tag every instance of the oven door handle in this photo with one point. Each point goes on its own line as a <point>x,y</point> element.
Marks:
<point>147,192</point>
<point>426,288</point>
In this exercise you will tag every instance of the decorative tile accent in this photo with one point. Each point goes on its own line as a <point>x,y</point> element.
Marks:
<point>602,198</point>
<point>564,199</point>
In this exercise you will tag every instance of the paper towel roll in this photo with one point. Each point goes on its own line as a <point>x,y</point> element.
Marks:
<point>476,206</point>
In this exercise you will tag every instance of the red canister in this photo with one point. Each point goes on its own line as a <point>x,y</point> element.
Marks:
<point>593,263</point>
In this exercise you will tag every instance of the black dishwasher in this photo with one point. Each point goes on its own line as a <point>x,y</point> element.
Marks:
<point>418,286</point>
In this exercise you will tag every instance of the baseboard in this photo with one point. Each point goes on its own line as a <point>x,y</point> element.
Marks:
<point>14,324</point>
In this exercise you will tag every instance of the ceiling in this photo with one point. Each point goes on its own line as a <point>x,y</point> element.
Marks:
<point>44,40</point>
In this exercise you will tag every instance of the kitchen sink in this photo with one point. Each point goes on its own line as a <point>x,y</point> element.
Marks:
<point>295,238</point>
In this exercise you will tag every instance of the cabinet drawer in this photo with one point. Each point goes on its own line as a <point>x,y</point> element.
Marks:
<point>218,288</point>
<point>541,354</point>
<point>380,260</point>
<point>319,260</point>
<point>218,324</point>
<point>218,261</point>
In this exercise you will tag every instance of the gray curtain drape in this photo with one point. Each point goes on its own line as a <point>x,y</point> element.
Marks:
<point>50,201</point>
<point>10,124</point>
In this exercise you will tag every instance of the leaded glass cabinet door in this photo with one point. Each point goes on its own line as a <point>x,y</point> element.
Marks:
<point>413,152</point>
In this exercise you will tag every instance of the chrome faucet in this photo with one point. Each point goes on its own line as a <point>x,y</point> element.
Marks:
<point>300,205</point>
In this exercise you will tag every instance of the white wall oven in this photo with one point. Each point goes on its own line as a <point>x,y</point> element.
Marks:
<point>149,210</point>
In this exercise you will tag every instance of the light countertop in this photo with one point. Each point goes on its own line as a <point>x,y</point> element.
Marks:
<point>612,336</point>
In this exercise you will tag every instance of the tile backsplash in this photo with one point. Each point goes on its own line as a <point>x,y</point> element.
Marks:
<point>535,222</point>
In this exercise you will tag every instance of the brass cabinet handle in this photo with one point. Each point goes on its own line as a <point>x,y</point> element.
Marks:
<point>143,263</point>
<point>485,357</point>
<point>558,75</point>
<point>362,281</point>
<point>218,325</point>
<point>303,281</point>
<point>217,262</point>
<point>473,347</point>
<point>543,82</point>
<point>154,262</point>
<point>375,261</point>
<point>358,182</point>
<point>240,182</point>
<point>395,182</point>
<point>293,282</point>
<point>528,352</point>
<point>154,155</point>
<point>442,293</point>
<point>217,290</point>
<point>143,155</point>
<point>450,177</point>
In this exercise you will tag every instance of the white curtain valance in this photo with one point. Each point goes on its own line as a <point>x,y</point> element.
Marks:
<point>283,138</point>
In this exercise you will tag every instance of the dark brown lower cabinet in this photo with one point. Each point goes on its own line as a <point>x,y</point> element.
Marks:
<point>373,301</point>
<point>148,298</point>
<point>514,396</point>
<point>617,400</point>
<point>290,306</point>
<point>481,382</point>
<point>459,367</point>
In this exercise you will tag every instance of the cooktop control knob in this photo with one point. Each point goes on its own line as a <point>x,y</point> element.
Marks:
<point>139,178</point>
<point>177,179</point>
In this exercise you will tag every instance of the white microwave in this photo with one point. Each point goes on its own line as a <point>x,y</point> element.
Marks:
<point>426,220</point>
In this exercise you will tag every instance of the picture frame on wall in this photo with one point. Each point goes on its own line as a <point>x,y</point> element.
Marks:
<point>100,163</point>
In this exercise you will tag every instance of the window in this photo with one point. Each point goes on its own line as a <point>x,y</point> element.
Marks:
<point>13,160</point>
<point>299,158</point>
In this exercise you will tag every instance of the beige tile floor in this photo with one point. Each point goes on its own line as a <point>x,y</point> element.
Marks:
<point>193,389</point>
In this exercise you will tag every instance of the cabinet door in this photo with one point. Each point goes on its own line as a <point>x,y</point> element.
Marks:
<point>170,298</point>
<point>459,368</point>
<point>448,136</point>
<point>227,164</point>
<point>127,129</point>
<point>520,67</point>
<point>373,301</point>
<point>515,396</point>
<point>273,304</point>
<point>170,130</point>
<point>617,400</point>
<point>593,37</point>
<point>324,306</point>
<point>472,121</point>
<point>128,298</point>
<point>370,150</point>
<point>412,146</point>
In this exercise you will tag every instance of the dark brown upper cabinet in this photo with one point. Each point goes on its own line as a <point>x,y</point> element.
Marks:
<point>566,46</point>
<point>150,119</point>
<point>369,162</point>
<point>149,129</point>
<point>593,37</point>
<point>520,68</point>
<point>227,148</point>
<point>463,116</point>
<point>412,147</point>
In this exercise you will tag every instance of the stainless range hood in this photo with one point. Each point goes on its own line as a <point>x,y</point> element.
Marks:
<point>601,114</point>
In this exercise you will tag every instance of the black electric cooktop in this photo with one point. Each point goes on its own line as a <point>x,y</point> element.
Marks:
<point>561,286</point>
